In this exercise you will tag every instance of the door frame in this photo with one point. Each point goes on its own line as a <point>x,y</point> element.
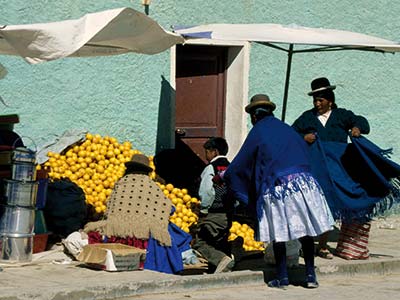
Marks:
<point>236,90</point>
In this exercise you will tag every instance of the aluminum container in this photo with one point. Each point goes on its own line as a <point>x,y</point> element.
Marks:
<point>23,171</point>
<point>16,248</point>
<point>21,193</point>
<point>16,220</point>
<point>22,154</point>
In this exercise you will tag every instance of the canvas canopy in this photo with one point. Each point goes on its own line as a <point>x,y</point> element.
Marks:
<point>287,37</point>
<point>109,32</point>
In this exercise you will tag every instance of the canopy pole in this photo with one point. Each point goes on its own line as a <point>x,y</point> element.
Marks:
<point>286,91</point>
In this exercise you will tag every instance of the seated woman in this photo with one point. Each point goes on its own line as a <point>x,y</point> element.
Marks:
<point>138,215</point>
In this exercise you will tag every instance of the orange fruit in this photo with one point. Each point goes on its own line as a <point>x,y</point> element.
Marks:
<point>169,187</point>
<point>186,198</point>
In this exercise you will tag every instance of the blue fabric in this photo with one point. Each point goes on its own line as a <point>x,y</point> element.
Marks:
<point>355,177</point>
<point>200,34</point>
<point>168,259</point>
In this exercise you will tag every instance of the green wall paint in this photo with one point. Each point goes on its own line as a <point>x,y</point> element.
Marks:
<point>119,96</point>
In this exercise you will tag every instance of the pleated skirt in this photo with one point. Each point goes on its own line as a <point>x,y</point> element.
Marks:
<point>294,208</point>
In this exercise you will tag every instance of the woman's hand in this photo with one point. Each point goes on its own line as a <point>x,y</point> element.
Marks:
<point>355,131</point>
<point>310,138</point>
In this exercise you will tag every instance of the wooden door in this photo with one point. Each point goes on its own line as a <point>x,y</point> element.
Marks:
<point>200,94</point>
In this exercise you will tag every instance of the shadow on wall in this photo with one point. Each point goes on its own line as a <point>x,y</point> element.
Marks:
<point>175,162</point>
<point>166,117</point>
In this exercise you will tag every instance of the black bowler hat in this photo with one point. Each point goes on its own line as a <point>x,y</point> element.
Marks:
<point>320,84</point>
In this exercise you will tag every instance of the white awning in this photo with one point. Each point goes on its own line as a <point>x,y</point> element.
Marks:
<point>297,39</point>
<point>109,32</point>
<point>291,34</point>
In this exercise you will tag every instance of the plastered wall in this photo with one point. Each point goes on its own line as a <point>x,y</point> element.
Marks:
<point>119,96</point>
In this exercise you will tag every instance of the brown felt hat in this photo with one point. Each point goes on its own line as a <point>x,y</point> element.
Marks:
<point>139,161</point>
<point>259,100</point>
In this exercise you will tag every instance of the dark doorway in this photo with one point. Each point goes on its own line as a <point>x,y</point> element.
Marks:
<point>199,113</point>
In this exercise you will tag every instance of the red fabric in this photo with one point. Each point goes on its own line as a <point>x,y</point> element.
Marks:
<point>96,238</point>
<point>353,241</point>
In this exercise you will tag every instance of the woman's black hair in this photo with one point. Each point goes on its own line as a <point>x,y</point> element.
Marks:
<point>259,113</point>
<point>328,95</point>
<point>136,169</point>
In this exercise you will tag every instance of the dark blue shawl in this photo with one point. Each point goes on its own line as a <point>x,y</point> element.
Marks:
<point>272,149</point>
<point>358,180</point>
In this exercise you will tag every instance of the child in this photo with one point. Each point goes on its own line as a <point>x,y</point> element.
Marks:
<point>210,193</point>
<point>213,228</point>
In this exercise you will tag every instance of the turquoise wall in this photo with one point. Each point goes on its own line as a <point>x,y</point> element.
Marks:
<point>119,95</point>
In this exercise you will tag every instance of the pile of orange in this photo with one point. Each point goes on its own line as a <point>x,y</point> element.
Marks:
<point>94,165</point>
<point>247,233</point>
<point>183,216</point>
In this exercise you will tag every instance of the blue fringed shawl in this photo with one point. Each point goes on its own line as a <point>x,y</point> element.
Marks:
<point>358,180</point>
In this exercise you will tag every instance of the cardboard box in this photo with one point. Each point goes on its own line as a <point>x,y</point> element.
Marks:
<point>112,257</point>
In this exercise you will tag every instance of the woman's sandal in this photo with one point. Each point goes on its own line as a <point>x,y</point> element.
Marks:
<point>280,284</point>
<point>325,253</point>
<point>311,282</point>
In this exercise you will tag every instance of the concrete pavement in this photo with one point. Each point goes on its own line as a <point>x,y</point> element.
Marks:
<point>49,277</point>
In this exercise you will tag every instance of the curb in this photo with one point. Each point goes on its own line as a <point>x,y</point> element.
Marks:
<point>377,267</point>
<point>208,281</point>
<point>189,283</point>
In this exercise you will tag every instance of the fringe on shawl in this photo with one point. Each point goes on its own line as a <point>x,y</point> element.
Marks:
<point>387,202</point>
<point>95,226</point>
<point>115,226</point>
<point>379,209</point>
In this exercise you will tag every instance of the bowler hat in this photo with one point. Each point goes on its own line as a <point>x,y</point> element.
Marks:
<point>139,161</point>
<point>259,100</point>
<point>320,84</point>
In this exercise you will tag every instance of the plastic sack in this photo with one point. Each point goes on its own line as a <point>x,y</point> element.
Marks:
<point>75,242</point>
<point>292,253</point>
<point>189,257</point>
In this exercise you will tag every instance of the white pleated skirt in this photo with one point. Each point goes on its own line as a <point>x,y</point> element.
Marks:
<point>295,208</point>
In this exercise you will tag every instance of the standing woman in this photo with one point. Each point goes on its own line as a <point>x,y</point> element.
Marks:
<point>271,174</point>
<point>328,123</point>
<point>325,119</point>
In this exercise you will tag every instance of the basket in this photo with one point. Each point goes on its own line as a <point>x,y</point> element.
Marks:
<point>40,242</point>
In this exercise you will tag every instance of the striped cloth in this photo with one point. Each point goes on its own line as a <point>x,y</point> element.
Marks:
<point>353,241</point>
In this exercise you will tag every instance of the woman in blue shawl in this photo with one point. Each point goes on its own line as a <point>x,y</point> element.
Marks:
<point>271,174</point>
<point>358,180</point>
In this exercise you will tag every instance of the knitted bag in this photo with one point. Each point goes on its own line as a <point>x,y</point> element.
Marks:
<point>353,241</point>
